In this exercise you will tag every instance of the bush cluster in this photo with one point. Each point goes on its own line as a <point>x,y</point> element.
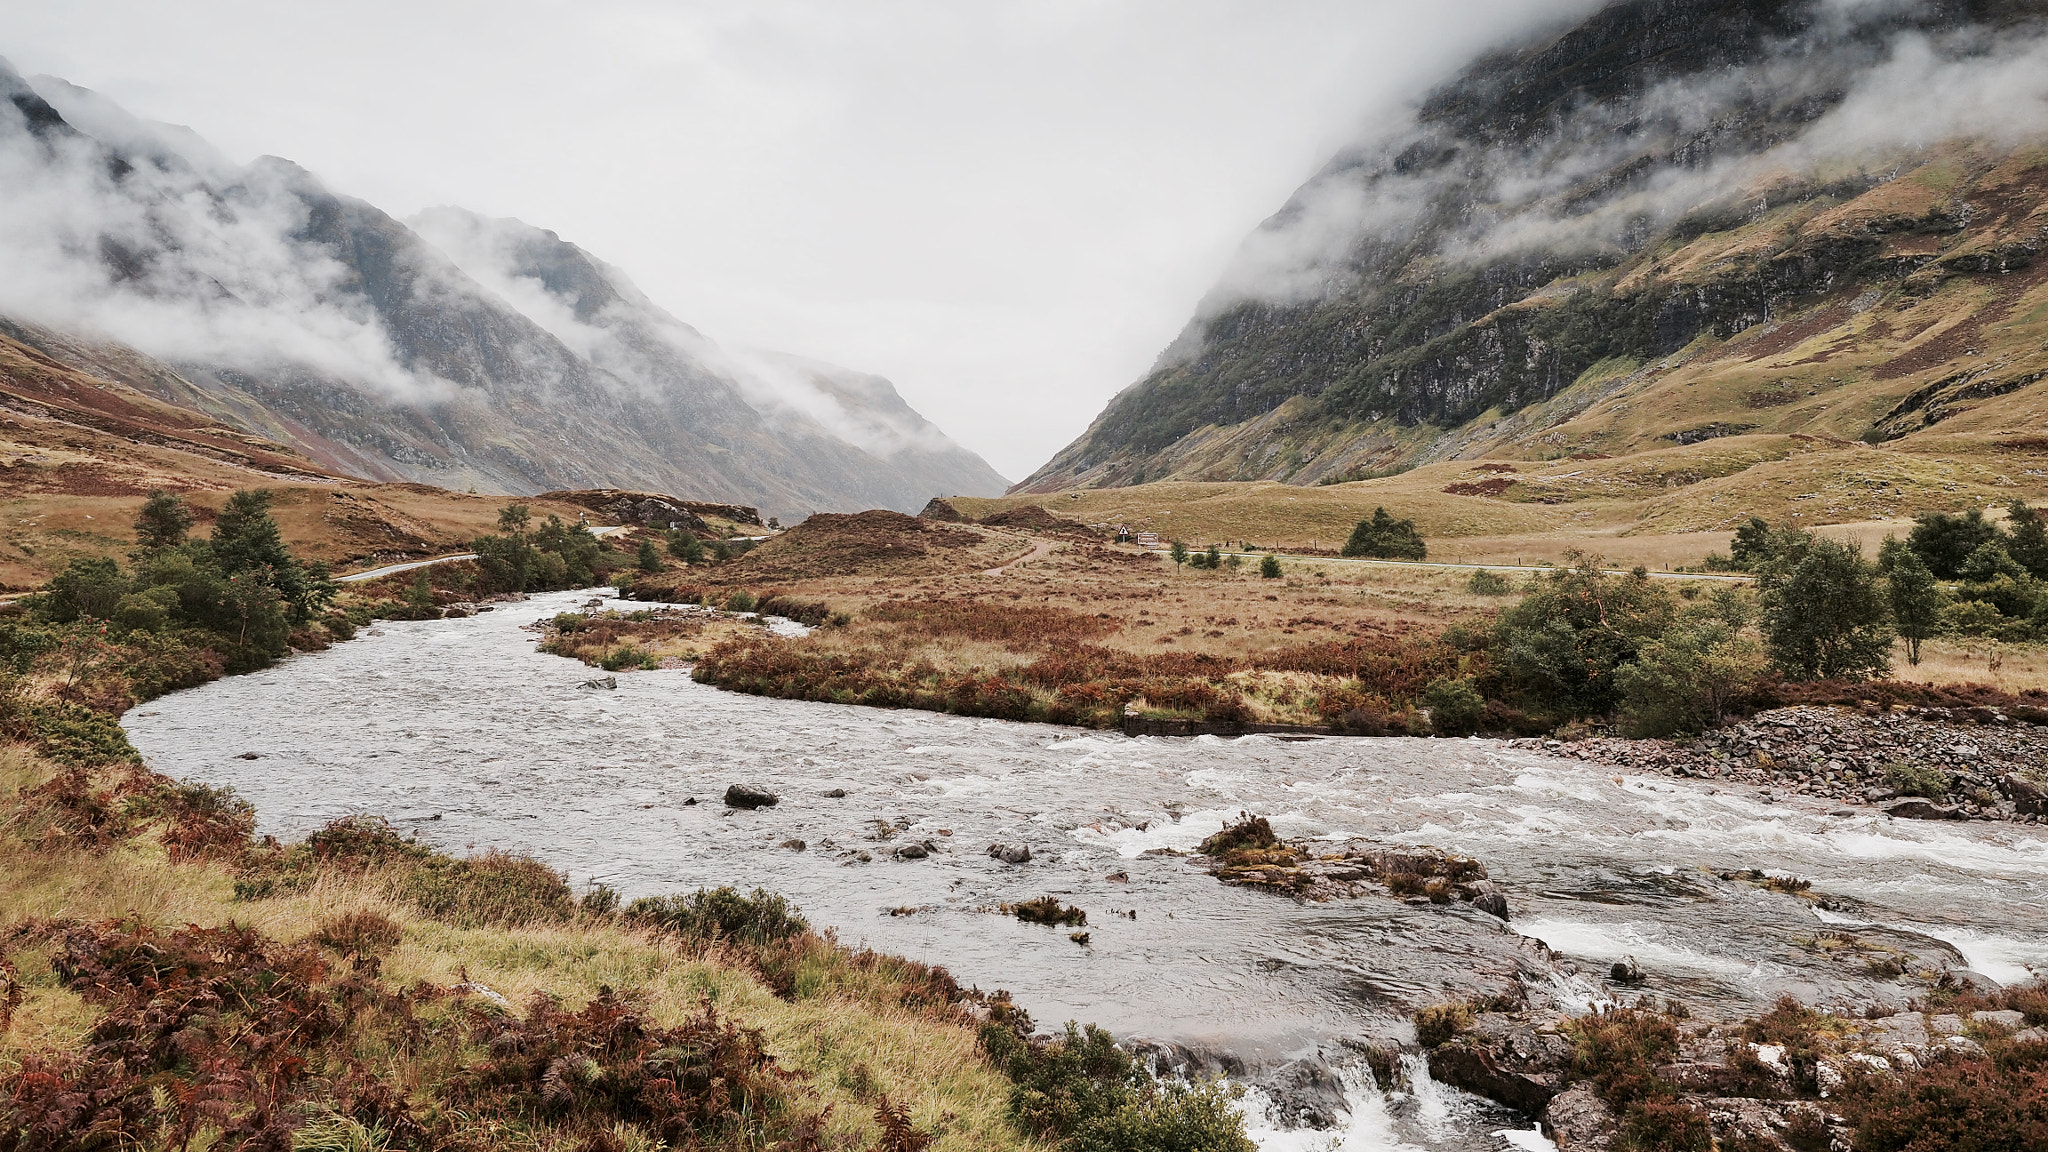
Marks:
<point>1081,1093</point>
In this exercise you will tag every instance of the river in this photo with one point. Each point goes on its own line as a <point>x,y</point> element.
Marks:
<point>460,730</point>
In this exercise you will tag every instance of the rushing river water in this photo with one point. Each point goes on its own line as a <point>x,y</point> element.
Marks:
<point>461,731</point>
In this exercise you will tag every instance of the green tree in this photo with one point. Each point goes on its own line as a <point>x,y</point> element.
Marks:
<point>2027,538</point>
<point>1213,559</point>
<point>1824,615</point>
<point>1269,567</point>
<point>649,557</point>
<point>506,562</point>
<point>1179,552</point>
<point>513,518</point>
<point>1455,706</point>
<point>1385,538</point>
<point>1946,541</point>
<point>88,587</point>
<point>1753,543</point>
<point>684,545</point>
<point>247,541</point>
<point>1687,679</point>
<point>162,522</point>
<point>1561,645</point>
<point>1915,596</point>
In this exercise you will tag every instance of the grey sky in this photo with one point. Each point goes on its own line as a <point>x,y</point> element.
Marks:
<point>1006,208</point>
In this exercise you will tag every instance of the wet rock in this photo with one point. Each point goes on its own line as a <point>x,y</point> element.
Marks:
<point>690,803</point>
<point>1010,853</point>
<point>750,796</point>
<point>835,794</point>
<point>1625,971</point>
<point>250,756</point>
<point>1918,809</point>
<point>1473,1067</point>
<point>1118,877</point>
<point>912,852</point>
<point>1492,903</point>
<point>601,682</point>
<point>1579,1121</point>
<point>1305,1094</point>
<point>794,845</point>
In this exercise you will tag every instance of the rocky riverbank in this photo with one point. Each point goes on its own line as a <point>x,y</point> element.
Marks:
<point>1920,763</point>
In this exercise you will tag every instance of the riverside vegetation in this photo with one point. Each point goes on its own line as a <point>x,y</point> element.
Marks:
<point>170,980</point>
<point>1082,633</point>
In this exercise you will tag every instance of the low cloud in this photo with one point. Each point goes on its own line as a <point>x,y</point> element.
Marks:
<point>149,239</point>
<point>1605,175</point>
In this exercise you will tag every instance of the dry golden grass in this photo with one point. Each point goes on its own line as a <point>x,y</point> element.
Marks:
<point>2012,667</point>
<point>849,1040</point>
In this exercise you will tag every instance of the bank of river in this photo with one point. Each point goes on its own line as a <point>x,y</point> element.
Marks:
<point>460,730</point>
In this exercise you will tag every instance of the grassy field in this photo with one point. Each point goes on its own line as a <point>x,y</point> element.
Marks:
<point>847,1028</point>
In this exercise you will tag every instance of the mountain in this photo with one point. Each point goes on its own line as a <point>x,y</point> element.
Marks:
<point>451,350</point>
<point>1677,221</point>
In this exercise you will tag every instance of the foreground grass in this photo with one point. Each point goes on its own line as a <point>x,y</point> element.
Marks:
<point>852,1026</point>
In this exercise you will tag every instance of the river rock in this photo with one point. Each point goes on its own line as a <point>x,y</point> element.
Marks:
<point>1579,1121</point>
<point>749,796</point>
<point>1464,1064</point>
<point>601,682</point>
<point>1305,1094</point>
<point>1917,809</point>
<point>794,845</point>
<point>1492,903</point>
<point>1626,971</point>
<point>2029,797</point>
<point>835,794</point>
<point>912,852</point>
<point>1010,853</point>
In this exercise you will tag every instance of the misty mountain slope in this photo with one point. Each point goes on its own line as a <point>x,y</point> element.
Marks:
<point>828,427</point>
<point>267,301</point>
<point>1677,220</point>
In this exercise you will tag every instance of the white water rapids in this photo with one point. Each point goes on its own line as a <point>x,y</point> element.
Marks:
<point>460,730</point>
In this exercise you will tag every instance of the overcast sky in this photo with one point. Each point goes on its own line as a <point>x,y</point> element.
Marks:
<point>1006,208</point>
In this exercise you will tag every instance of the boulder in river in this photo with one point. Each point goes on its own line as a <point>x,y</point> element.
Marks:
<point>835,794</point>
<point>749,796</point>
<point>1492,903</point>
<point>1626,971</point>
<point>601,682</point>
<point>795,845</point>
<point>1917,809</point>
<point>1010,853</point>
<point>912,852</point>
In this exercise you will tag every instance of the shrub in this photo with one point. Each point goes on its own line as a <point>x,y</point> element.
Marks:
<point>1048,910</point>
<point>1486,582</point>
<point>362,933</point>
<point>1385,538</point>
<point>1687,679</point>
<point>1560,646</point>
<point>1455,706</point>
<point>1084,1094</point>
<point>1436,1024</point>
<point>759,918</point>
<point>493,889</point>
<point>740,601</point>
<point>1269,567</point>
<point>1251,833</point>
<point>1917,780</point>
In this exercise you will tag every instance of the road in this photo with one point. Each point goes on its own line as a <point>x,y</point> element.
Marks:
<point>1292,558</point>
<point>388,569</point>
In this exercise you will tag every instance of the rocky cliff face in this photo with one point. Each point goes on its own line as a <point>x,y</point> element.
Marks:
<point>453,350</point>
<point>1609,217</point>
